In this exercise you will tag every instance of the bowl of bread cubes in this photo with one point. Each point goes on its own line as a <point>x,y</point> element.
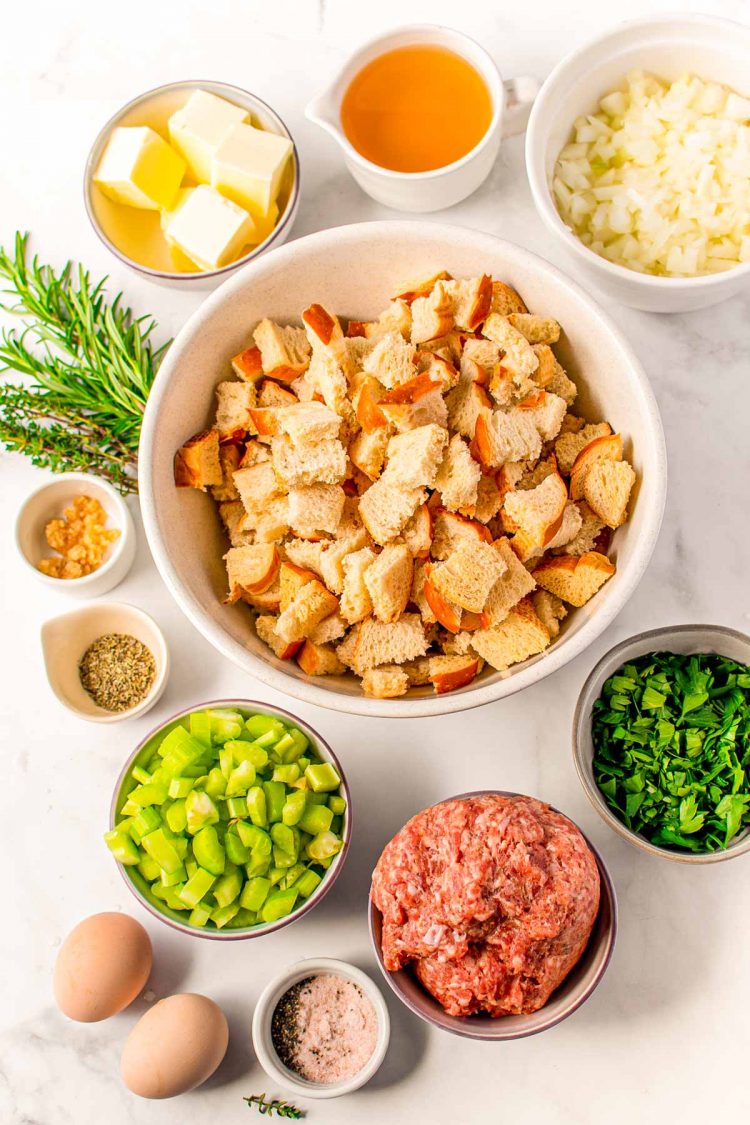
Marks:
<point>401,468</point>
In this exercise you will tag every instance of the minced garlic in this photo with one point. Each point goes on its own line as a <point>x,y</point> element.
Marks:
<point>80,537</point>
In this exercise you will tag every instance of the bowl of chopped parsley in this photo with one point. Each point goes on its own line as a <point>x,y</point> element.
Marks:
<point>661,738</point>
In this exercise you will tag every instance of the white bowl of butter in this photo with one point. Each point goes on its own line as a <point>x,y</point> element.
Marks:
<point>192,180</point>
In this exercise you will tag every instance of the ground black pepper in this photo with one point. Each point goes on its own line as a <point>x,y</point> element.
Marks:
<point>117,671</point>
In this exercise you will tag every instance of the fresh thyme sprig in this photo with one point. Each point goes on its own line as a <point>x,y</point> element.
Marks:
<point>88,366</point>
<point>280,1108</point>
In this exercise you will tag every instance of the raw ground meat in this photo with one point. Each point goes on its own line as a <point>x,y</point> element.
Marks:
<point>491,899</point>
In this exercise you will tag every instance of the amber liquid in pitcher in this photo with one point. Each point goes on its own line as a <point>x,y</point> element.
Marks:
<point>417,108</point>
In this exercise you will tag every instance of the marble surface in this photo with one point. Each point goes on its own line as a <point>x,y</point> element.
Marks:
<point>666,1032</point>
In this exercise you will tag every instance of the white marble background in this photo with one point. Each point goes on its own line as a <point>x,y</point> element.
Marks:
<point>665,1036</point>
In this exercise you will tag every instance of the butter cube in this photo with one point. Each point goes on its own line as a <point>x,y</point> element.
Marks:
<point>168,213</point>
<point>209,229</point>
<point>248,166</point>
<point>200,126</point>
<point>139,168</point>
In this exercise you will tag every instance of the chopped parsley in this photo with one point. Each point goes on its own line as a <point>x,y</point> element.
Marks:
<point>671,740</point>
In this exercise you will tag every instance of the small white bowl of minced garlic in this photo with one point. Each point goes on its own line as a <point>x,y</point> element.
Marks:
<point>321,1028</point>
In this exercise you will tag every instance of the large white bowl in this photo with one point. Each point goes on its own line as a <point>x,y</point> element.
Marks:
<point>668,46</point>
<point>354,270</point>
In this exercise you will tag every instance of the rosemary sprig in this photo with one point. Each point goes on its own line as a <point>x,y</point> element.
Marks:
<point>88,366</point>
<point>280,1108</point>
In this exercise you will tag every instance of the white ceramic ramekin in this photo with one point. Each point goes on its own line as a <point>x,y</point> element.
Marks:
<point>667,46</point>
<point>263,1042</point>
<point>441,187</point>
<point>47,503</point>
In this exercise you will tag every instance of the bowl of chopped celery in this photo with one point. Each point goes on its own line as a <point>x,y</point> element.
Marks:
<point>231,820</point>
<point>661,739</point>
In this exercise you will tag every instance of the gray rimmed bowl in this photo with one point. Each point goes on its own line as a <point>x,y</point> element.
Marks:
<point>686,639</point>
<point>138,885</point>
<point>571,994</point>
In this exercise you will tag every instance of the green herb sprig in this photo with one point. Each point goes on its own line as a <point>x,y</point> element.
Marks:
<point>280,1108</point>
<point>671,740</point>
<point>87,363</point>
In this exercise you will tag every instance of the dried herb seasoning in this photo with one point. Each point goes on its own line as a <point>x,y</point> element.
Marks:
<point>117,671</point>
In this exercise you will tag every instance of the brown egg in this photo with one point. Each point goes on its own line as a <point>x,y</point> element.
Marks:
<point>102,966</point>
<point>175,1047</point>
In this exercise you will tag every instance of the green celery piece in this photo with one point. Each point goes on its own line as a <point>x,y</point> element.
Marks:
<point>322,777</point>
<point>242,919</point>
<point>236,807</point>
<point>150,794</point>
<point>256,806</point>
<point>146,821</point>
<point>240,779</point>
<point>254,837</point>
<point>292,875</point>
<point>282,858</point>
<point>255,893</point>
<point>301,739</point>
<point>208,851</point>
<point>216,784</point>
<point>226,760</point>
<point>257,865</point>
<point>200,727</point>
<point>225,725</point>
<point>179,787</point>
<point>258,725</point>
<point>237,852</point>
<point>162,850</point>
<point>186,754</point>
<point>337,804</point>
<point>278,905</point>
<point>228,887</point>
<point>337,825</point>
<point>173,878</point>
<point>176,737</point>
<point>284,744</point>
<point>303,763</point>
<point>316,819</point>
<point>148,868</point>
<point>141,775</point>
<point>172,897</point>
<point>324,846</point>
<point>294,807</point>
<point>191,867</point>
<point>158,892</point>
<point>306,883</point>
<point>200,915</point>
<point>130,809</point>
<point>221,916</point>
<point>248,752</point>
<point>197,887</point>
<point>176,816</point>
<point>285,838</point>
<point>275,792</point>
<point>316,798</point>
<point>200,810</point>
<point>287,774</point>
<point>123,847</point>
<point>276,874</point>
<point>291,746</point>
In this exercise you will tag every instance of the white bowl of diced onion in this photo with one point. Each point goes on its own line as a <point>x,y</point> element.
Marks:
<point>668,47</point>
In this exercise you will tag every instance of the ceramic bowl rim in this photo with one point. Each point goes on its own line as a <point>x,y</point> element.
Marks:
<point>582,714</point>
<point>326,882</point>
<point>609,942</point>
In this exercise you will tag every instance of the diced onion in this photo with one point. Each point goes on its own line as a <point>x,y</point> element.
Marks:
<point>658,179</point>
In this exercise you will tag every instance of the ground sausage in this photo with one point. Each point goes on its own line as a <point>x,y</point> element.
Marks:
<point>491,899</point>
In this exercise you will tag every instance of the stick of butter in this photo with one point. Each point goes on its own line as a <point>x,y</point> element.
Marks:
<point>200,126</point>
<point>210,229</point>
<point>139,168</point>
<point>248,166</point>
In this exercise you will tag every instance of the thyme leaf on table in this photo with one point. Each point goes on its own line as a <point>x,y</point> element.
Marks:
<point>280,1108</point>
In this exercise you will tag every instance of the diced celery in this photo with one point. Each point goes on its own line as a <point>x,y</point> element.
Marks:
<point>254,893</point>
<point>181,846</point>
<point>337,825</point>
<point>322,777</point>
<point>284,838</point>
<point>294,807</point>
<point>216,784</point>
<point>240,779</point>
<point>200,727</point>
<point>226,760</point>
<point>303,763</point>
<point>173,878</point>
<point>146,821</point>
<point>316,819</point>
<point>172,897</point>
<point>179,787</point>
<point>197,887</point>
<point>248,752</point>
<point>159,892</point>
<point>130,808</point>
<point>256,806</point>
<point>301,783</point>
<point>236,807</point>
<point>236,851</point>
<point>221,916</point>
<point>200,915</point>
<point>306,883</point>
<point>179,759</point>
<point>225,725</point>
<point>278,905</point>
<point>282,858</point>
<point>138,773</point>
<point>276,874</point>
<point>253,837</point>
<point>324,846</point>
<point>224,815</point>
<point>190,867</point>
<point>150,794</point>
<point>207,850</point>
<point>123,847</point>
<point>287,774</point>
<point>228,887</point>
<point>176,737</point>
<point>162,850</point>
<point>337,804</point>
<point>258,725</point>
<point>275,792</point>
<point>148,868</point>
<point>200,810</point>
<point>292,875</point>
<point>242,919</point>
<point>284,744</point>
<point>257,865</point>
<point>176,816</point>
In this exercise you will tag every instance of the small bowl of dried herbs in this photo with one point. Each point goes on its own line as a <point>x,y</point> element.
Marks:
<point>661,740</point>
<point>106,662</point>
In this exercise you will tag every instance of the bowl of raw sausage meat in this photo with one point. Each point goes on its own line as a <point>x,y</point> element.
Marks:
<point>492,916</point>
